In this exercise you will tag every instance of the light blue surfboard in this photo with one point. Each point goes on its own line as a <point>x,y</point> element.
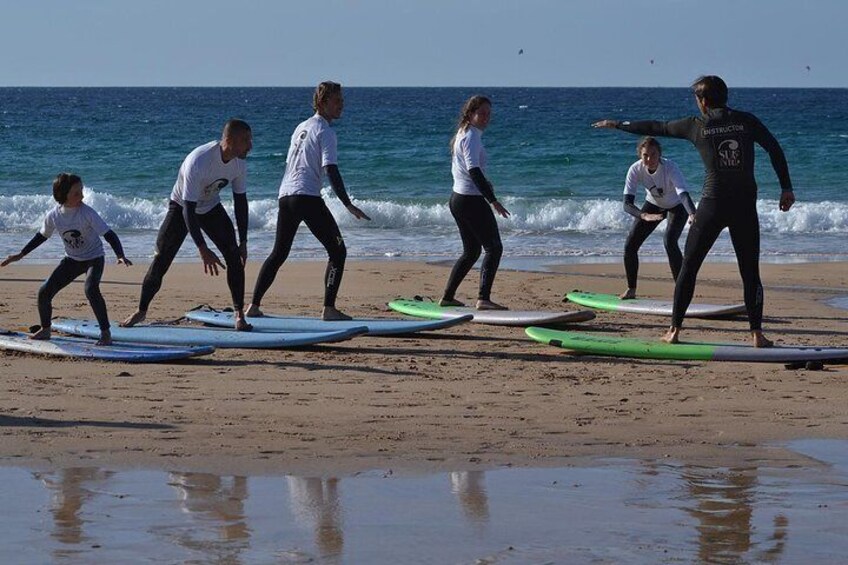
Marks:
<point>274,323</point>
<point>218,337</point>
<point>82,348</point>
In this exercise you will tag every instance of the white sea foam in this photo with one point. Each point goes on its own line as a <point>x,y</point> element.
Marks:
<point>556,228</point>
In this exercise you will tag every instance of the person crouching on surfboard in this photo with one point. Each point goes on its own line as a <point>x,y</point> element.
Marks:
<point>469,205</point>
<point>81,228</point>
<point>667,196</point>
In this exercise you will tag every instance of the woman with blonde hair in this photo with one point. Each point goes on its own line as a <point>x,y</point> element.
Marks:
<point>470,205</point>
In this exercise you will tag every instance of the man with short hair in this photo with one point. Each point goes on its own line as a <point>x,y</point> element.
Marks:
<point>725,139</point>
<point>195,207</point>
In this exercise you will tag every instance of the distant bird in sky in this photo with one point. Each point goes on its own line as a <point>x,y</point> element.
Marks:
<point>808,68</point>
<point>652,61</point>
<point>521,52</point>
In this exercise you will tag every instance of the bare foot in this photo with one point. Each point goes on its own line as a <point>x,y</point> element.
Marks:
<point>330,314</point>
<point>489,305</point>
<point>242,325</point>
<point>760,340</point>
<point>105,338</point>
<point>42,334</point>
<point>253,311</point>
<point>628,294</point>
<point>447,302</point>
<point>135,318</point>
<point>671,336</point>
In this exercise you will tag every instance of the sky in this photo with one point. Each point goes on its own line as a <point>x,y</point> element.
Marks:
<point>759,43</point>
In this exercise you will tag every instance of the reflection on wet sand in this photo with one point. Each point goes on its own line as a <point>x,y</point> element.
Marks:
<point>216,504</point>
<point>71,488</point>
<point>470,488</point>
<point>315,504</point>
<point>723,503</point>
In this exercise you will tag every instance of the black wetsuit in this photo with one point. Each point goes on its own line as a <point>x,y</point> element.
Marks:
<point>640,231</point>
<point>725,139</point>
<point>312,211</point>
<point>218,226</point>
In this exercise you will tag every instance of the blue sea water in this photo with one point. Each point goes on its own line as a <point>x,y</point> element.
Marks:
<point>561,179</point>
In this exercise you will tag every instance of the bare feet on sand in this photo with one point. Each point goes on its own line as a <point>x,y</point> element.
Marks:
<point>489,305</point>
<point>446,302</point>
<point>330,314</point>
<point>760,340</point>
<point>628,294</point>
<point>671,336</point>
<point>41,334</point>
<point>253,311</point>
<point>135,318</point>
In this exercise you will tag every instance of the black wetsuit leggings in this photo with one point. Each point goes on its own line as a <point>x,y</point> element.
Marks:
<point>479,231</point>
<point>641,230</point>
<point>173,231</point>
<point>314,212</point>
<point>68,270</point>
<point>713,215</point>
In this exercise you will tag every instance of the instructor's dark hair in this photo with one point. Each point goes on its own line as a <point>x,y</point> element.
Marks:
<point>648,141</point>
<point>323,91</point>
<point>62,185</point>
<point>235,127</point>
<point>712,90</point>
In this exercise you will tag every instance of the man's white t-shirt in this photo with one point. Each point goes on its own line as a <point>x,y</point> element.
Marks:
<point>468,152</point>
<point>313,147</point>
<point>80,229</point>
<point>203,174</point>
<point>663,187</point>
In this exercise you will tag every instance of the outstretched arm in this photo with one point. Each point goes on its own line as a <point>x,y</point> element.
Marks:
<point>684,128</point>
<point>36,240</point>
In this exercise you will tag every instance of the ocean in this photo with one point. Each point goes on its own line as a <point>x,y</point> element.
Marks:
<point>561,179</point>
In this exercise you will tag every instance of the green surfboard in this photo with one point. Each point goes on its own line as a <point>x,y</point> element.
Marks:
<point>612,303</point>
<point>614,346</point>
<point>522,318</point>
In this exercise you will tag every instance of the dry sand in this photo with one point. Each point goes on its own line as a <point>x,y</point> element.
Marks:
<point>470,397</point>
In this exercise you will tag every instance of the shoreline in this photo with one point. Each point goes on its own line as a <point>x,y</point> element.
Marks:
<point>471,397</point>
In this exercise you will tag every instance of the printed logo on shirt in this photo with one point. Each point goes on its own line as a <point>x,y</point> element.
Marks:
<point>656,191</point>
<point>215,187</point>
<point>73,239</point>
<point>729,153</point>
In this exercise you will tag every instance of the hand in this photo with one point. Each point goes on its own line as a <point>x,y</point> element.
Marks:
<point>651,217</point>
<point>500,209</point>
<point>11,259</point>
<point>606,124</point>
<point>124,261</point>
<point>359,214</point>
<point>243,252</point>
<point>787,199</point>
<point>210,262</point>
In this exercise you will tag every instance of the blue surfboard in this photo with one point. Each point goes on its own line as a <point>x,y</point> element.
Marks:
<point>82,348</point>
<point>218,337</point>
<point>274,323</point>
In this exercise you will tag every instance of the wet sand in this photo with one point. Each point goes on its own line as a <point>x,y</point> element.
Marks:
<point>465,398</point>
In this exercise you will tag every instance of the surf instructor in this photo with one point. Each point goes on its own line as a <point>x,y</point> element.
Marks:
<point>195,207</point>
<point>725,139</point>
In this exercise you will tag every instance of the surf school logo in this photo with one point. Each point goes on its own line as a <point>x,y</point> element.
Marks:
<point>656,191</point>
<point>729,155</point>
<point>215,187</point>
<point>73,239</point>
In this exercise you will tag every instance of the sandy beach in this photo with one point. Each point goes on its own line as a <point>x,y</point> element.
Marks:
<point>469,397</point>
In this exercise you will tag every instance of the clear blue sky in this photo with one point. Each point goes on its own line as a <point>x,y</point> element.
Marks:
<point>422,43</point>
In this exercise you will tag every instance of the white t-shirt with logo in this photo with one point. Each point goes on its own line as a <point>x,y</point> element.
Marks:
<point>203,174</point>
<point>80,229</point>
<point>468,152</point>
<point>313,147</point>
<point>663,187</point>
